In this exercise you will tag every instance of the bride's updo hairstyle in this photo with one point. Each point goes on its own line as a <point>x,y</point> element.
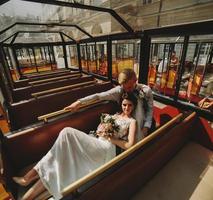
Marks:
<point>128,96</point>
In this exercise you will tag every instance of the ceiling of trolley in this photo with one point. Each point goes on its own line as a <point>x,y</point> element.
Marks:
<point>79,19</point>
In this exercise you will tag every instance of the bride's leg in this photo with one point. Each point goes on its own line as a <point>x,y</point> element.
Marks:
<point>34,191</point>
<point>27,178</point>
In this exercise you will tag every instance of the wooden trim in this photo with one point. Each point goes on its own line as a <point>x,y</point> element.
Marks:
<point>22,132</point>
<point>53,114</point>
<point>74,186</point>
<point>36,94</point>
<point>54,79</point>
<point>40,74</point>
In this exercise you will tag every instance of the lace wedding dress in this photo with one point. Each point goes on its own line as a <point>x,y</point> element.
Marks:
<point>74,155</point>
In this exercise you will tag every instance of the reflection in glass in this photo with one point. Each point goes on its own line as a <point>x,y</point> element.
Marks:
<point>72,56</point>
<point>94,58</point>
<point>197,80</point>
<point>164,64</point>
<point>125,54</point>
<point>11,63</point>
<point>37,59</point>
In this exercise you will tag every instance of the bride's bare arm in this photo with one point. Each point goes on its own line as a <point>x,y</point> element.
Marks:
<point>131,137</point>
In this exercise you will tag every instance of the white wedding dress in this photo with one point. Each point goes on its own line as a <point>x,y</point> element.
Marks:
<point>74,155</point>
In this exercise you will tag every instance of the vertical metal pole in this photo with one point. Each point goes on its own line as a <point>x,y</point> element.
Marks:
<point>50,57</point>
<point>16,61</point>
<point>35,59</point>
<point>96,58</point>
<point>53,53</point>
<point>144,59</point>
<point>65,56</point>
<point>64,51</point>
<point>79,57</point>
<point>7,68</point>
<point>6,91</point>
<point>29,57</point>
<point>87,58</point>
<point>182,65</point>
<point>109,58</point>
<point>45,54</point>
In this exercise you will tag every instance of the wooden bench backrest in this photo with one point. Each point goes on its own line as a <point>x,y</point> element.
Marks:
<point>46,74</point>
<point>21,94</point>
<point>47,80</point>
<point>25,82</point>
<point>25,113</point>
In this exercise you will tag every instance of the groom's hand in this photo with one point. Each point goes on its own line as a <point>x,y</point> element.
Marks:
<point>73,107</point>
<point>145,131</point>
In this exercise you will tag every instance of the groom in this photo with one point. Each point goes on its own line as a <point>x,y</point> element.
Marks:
<point>128,83</point>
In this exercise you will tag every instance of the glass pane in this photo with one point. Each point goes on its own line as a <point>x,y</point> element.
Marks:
<point>73,33</point>
<point>102,64</point>
<point>100,3</point>
<point>9,40</point>
<point>26,60</point>
<point>59,56</point>
<point>140,15</point>
<point>83,55</point>
<point>94,58</point>
<point>38,38</point>
<point>197,79</point>
<point>45,60</point>
<point>94,22</point>
<point>7,15</point>
<point>38,59</point>
<point>72,56</point>
<point>92,64</point>
<point>125,54</point>
<point>164,64</point>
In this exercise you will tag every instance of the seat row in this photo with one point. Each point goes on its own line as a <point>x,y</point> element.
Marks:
<point>40,76</point>
<point>141,161</point>
<point>25,113</point>
<point>24,93</point>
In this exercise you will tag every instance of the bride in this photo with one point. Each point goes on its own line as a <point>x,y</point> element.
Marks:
<point>75,153</point>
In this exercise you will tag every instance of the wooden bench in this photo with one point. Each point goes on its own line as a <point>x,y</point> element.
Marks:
<point>47,80</point>
<point>64,88</point>
<point>117,179</point>
<point>25,82</point>
<point>46,73</point>
<point>24,113</point>
<point>124,175</point>
<point>24,93</point>
<point>27,147</point>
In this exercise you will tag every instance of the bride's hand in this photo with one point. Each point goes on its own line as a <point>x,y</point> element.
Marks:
<point>101,134</point>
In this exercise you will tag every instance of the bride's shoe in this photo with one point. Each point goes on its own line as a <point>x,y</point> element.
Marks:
<point>21,181</point>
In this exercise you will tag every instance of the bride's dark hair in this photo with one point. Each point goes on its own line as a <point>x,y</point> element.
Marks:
<point>128,96</point>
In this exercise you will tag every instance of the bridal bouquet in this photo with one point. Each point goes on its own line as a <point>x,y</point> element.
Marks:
<point>107,127</point>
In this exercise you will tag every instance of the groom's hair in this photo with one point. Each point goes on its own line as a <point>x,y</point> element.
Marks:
<point>126,75</point>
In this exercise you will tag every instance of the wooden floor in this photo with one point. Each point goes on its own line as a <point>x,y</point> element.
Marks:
<point>189,175</point>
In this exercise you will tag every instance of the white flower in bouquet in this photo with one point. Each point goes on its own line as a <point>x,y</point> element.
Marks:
<point>108,126</point>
